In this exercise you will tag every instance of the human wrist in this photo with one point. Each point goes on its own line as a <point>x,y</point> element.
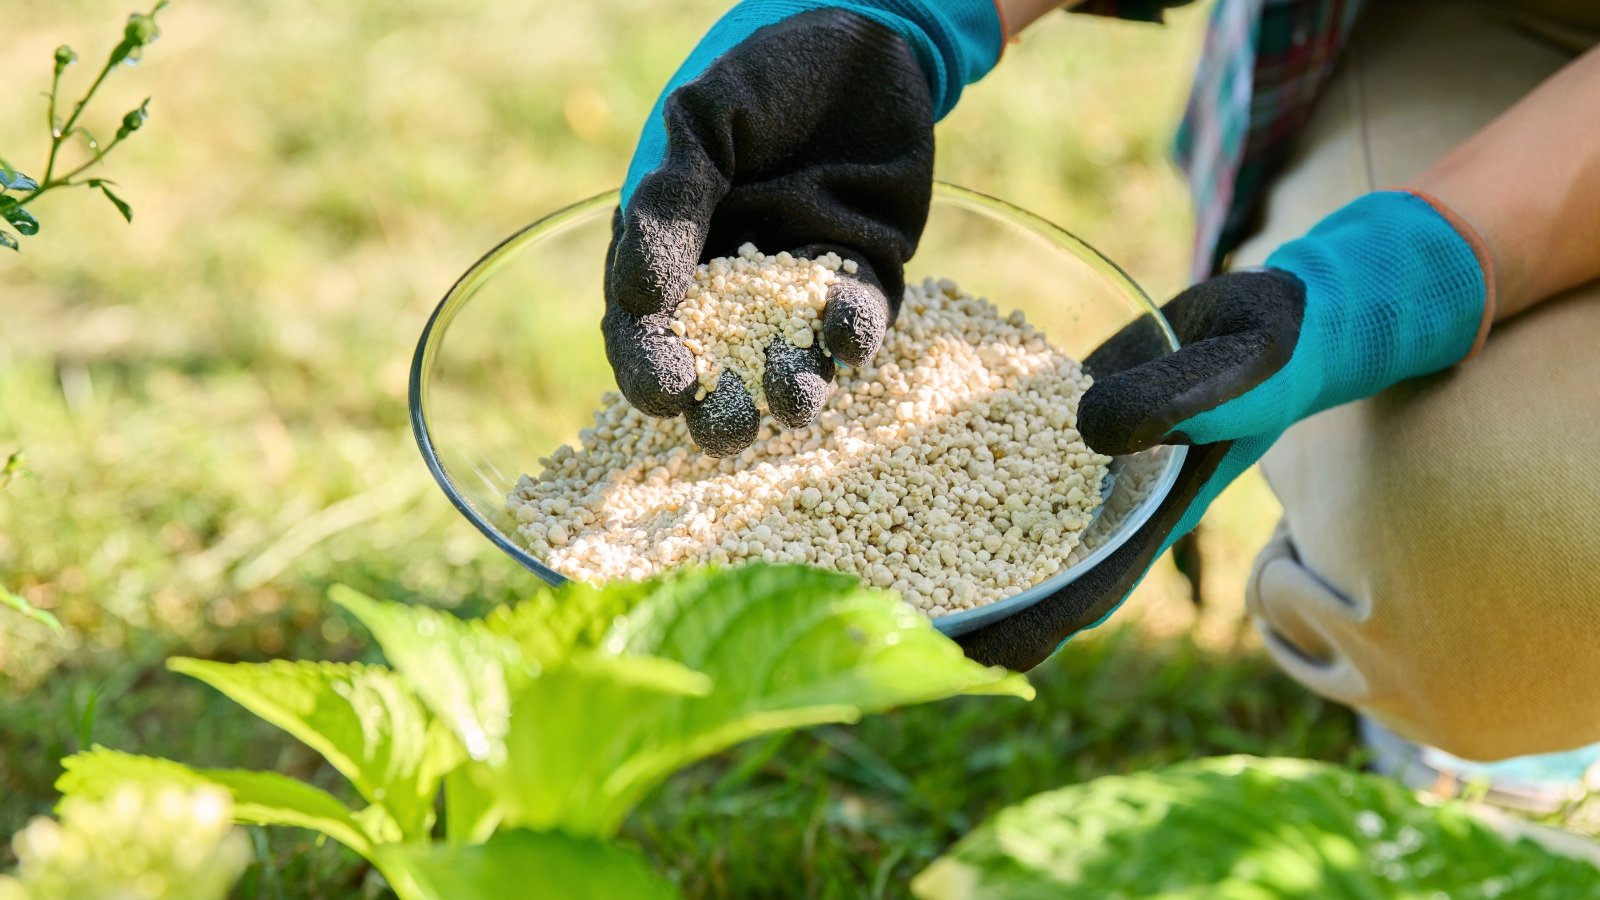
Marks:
<point>1529,181</point>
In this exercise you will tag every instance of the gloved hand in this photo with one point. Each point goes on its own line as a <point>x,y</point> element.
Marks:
<point>797,125</point>
<point>1387,288</point>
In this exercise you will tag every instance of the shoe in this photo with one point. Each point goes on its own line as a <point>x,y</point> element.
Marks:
<point>1541,784</point>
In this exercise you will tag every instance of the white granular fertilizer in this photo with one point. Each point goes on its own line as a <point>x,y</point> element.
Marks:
<point>950,469</point>
<point>739,305</point>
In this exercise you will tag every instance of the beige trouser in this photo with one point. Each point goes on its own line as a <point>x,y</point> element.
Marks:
<point>1438,563</point>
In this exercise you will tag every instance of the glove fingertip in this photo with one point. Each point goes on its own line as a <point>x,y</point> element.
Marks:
<point>797,383</point>
<point>1115,418</point>
<point>855,321</point>
<point>726,421</point>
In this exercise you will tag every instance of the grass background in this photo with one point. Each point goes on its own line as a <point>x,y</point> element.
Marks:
<point>213,406</point>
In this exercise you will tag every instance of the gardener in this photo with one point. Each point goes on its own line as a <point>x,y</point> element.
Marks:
<point>1437,214</point>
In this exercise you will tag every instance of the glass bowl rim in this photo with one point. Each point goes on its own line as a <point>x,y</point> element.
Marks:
<point>954,623</point>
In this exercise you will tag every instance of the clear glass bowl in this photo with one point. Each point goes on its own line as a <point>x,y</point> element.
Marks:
<point>511,364</point>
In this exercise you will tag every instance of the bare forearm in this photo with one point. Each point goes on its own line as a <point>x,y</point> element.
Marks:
<point>1019,14</point>
<point>1529,182</point>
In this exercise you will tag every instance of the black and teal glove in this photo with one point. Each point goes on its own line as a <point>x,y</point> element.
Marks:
<point>795,125</point>
<point>1387,288</point>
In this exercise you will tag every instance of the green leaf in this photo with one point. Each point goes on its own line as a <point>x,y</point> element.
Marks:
<point>90,708</point>
<point>15,464</point>
<point>570,728</point>
<point>118,202</point>
<point>577,703</point>
<point>810,633</point>
<point>520,863</point>
<point>507,681</point>
<point>551,625</point>
<point>364,721</point>
<point>13,180</point>
<point>470,813</point>
<point>463,672</point>
<point>21,219</point>
<point>9,240</point>
<point>784,647</point>
<point>29,611</point>
<point>259,798</point>
<point>146,842</point>
<point>1245,827</point>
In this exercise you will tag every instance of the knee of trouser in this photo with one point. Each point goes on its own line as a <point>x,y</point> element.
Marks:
<point>1480,688</point>
<point>1438,567</point>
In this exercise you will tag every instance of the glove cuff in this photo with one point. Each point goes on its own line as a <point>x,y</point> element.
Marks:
<point>1394,290</point>
<point>1480,249</point>
<point>956,42</point>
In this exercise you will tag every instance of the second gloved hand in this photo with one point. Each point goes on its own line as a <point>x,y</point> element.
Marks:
<point>1390,287</point>
<point>794,125</point>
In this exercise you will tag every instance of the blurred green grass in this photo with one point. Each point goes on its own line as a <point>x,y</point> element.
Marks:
<point>212,401</point>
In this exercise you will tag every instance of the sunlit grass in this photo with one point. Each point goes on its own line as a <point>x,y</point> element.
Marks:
<point>212,402</point>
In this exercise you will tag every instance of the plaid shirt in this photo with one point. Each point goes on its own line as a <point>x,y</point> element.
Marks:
<point>1263,65</point>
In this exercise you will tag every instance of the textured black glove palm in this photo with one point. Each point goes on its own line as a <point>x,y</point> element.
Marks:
<point>813,134</point>
<point>1235,331</point>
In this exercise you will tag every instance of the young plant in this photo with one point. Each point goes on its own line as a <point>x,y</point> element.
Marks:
<point>141,842</point>
<point>1242,826</point>
<point>19,191</point>
<point>545,723</point>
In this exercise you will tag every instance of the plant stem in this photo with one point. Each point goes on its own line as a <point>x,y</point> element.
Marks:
<point>56,140</point>
<point>50,112</point>
<point>66,180</point>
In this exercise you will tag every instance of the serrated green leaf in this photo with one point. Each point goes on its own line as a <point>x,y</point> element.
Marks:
<point>570,728</point>
<point>810,633</point>
<point>521,863</point>
<point>784,647</point>
<point>550,625</point>
<point>580,702</point>
<point>147,842</point>
<point>118,202</point>
<point>1244,827</point>
<point>364,720</point>
<point>259,798</point>
<point>20,219</point>
<point>21,605</point>
<point>463,672</point>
